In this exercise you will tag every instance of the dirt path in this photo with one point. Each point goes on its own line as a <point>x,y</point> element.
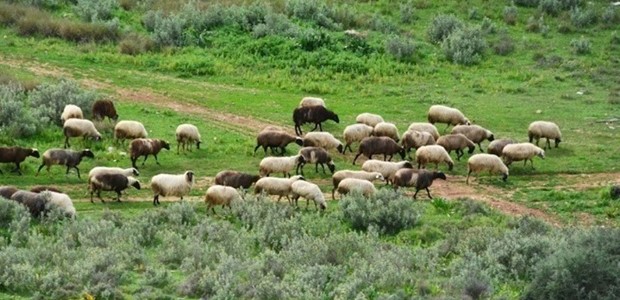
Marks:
<point>453,189</point>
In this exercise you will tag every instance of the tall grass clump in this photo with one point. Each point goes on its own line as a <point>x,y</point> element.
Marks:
<point>386,211</point>
<point>407,12</point>
<point>550,7</point>
<point>95,10</point>
<point>442,26</point>
<point>526,3</point>
<point>511,14</point>
<point>401,49</point>
<point>581,46</point>
<point>465,46</point>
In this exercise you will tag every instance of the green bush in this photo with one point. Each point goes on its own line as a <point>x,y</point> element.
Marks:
<point>511,15</point>
<point>504,46</point>
<point>584,267</point>
<point>581,18</point>
<point>16,120</point>
<point>315,11</point>
<point>312,39</point>
<point>535,24</point>
<point>487,26</point>
<point>610,17</point>
<point>168,31</point>
<point>442,26</point>
<point>134,44</point>
<point>407,12</point>
<point>49,100</point>
<point>526,3</point>
<point>581,46</point>
<point>382,24</point>
<point>95,10</point>
<point>465,46</point>
<point>400,48</point>
<point>386,211</point>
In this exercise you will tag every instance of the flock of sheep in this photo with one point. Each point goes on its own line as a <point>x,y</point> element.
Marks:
<point>374,135</point>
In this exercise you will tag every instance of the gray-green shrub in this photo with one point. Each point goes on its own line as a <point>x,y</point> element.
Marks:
<point>465,46</point>
<point>526,3</point>
<point>550,7</point>
<point>407,12</point>
<point>49,100</point>
<point>442,26</point>
<point>95,10</point>
<point>401,49</point>
<point>16,120</point>
<point>511,14</point>
<point>610,17</point>
<point>581,46</point>
<point>582,18</point>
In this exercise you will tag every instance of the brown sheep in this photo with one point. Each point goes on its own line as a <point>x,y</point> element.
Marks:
<point>312,114</point>
<point>69,158</point>
<point>420,179</point>
<point>275,139</point>
<point>379,145</point>
<point>16,155</point>
<point>416,139</point>
<point>235,179</point>
<point>475,133</point>
<point>456,142</point>
<point>104,108</point>
<point>7,191</point>
<point>317,156</point>
<point>43,188</point>
<point>495,147</point>
<point>146,147</point>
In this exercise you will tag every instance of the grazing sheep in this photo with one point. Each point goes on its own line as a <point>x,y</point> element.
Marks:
<point>310,191</point>
<point>340,175</point>
<point>522,151</point>
<point>420,179</point>
<point>146,147</point>
<point>187,134</point>
<point>110,182</point>
<point>220,195</point>
<point>369,119</point>
<point>348,185</point>
<point>486,162</point>
<point>387,129</point>
<point>129,130</point>
<point>43,188</point>
<point>16,155</point>
<point>475,133</point>
<point>312,114</point>
<point>447,115</point>
<point>235,179</point>
<point>79,127</point>
<point>311,101</point>
<point>379,145</point>
<point>275,139</point>
<point>104,108</point>
<point>433,154</point>
<point>424,127</point>
<point>324,140</point>
<point>416,139</point>
<point>495,147</point>
<point>61,201</point>
<point>272,164</point>
<point>69,158</point>
<point>544,129</point>
<point>36,203</point>
<point>71,112</point>
<point>113,170</point>
<point>456,142</point>
<point>355,133</point>
<point>276,186</point>
<point>317,156</point>
<point>273,128</point>
<point>177,185</point>
<point>386,168</point>
<point>7,191</point>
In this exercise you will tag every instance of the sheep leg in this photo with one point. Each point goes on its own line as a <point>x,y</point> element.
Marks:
<point>548,144</point>
<point>467,180</point>
<point>156,200</point>
<point>118,196</point>
<point>391,156</point>
<point>18,169</point>
<point>320,126</point>
<point>480,146</point>
<point>77,170</point>
<point>316,125</point>
<point>282,150</point>
<point>67,142</point>
<point>416,194</point>
<point>348,145</point>
<point>99,196</point>
<point>298,130</point>
<point>145,157</point>
<point>354,159</point>
<point>39,170</point>
<point>255,148</point>
<point>133,162</point>
<point>428,193</point>
<point>459,154</point>
<point>157,161</point>
<point>446,128</point>
<point>322,167</point>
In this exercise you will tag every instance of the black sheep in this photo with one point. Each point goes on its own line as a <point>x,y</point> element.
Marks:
<point>104,108</point>
<point>379,145</point>
<point>110,182</point>
<point>312,114</point>
<point>274,140</point>
<point>420,179</point>
<point>235,179</point>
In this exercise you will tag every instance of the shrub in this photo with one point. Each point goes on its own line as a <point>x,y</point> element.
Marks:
<point>465,46</point>
<point>585,267</point>
<point>275,24</point>
<point>550,7</point>
<point>407,12</point>
<point>569,4</point>
<point>381,24</point>
<point>582,18</point>
<point>52,98</point>
<point>487,26</point>
<point>442,26</point>
<point>15,119</point>
<point>535,24</point>
<point>95,10</point>
<point>316,11</point>
<point>504,46</point>
<point>474,14</point>
<point>134,44</point>
<point>150,19</point>
<point>511,14</point>
<point>581,46</point>
<point>168,31</point>
<point>387,211</point>
<point>615,38</point>
<point>400,48</point>
<point>312,39</point>
<point>610,17</point>
<point>526,3</point>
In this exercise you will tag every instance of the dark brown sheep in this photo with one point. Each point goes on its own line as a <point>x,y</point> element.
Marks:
<point>7,191</point>
<point>146,147</point>
<point>235,179</point>
<point>420,179</point>
<point>379,145</point>
<point>275,139</point>
<point>43,188</point>
<point>110,182</point>
<point>497,146</point>
<point>69,158</point>
<point>317,156</point>
<point>16,155</point>
<point>36,203</point>
<point>312,114</point>
<point>104,108</point>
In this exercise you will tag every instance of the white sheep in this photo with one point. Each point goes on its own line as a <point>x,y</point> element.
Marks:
<point>340,175</point>
<point>61,201</point>
<point>447,115</point>
<point>386,129</point>
<point>522,151</point>
<point>369,119</point>
<point>486,162</point>
<point>311,101</point>
<point>187,134</point>
<point>113,170</point>
<point>71,112</point>
<point>129,130</point>
<point>273,164</point>
<point>386,168</point>
<point>416,139</point>
<point>474,133</point>
<point>171,185</point>
<point>424,127</point>
<point>323,140</point>
<point>433,154</point>
<point>276,186</point>
<point>355,133</point>
<point>544,129</point>
<point>310,191</point>
<point>364,187</point>
<point>79,127</point>
<point>220,195</point>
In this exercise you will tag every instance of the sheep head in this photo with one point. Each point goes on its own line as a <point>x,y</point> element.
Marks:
<point>340,148</point>
<point>557,142</point>
<point>165,144</point>
<point>34,153</point>
<point>189,176</point>
<point>135,172</point>
<point>331,166</point>
<point>198,144</point>
<point>471,149</point>
<point>88,153</point>
<point>439,175</point>
<point>299,141</point>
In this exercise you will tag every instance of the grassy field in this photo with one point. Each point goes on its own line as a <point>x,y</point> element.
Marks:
<point>247,66</point>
